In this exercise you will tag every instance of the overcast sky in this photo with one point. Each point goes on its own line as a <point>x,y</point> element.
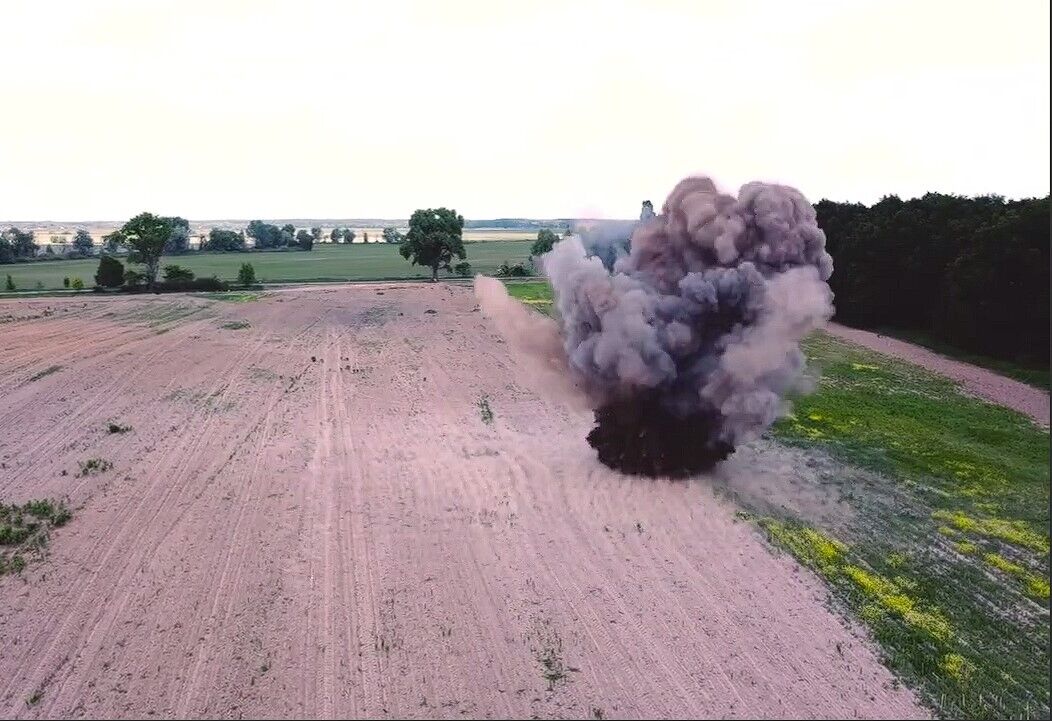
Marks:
<point>248,108</point>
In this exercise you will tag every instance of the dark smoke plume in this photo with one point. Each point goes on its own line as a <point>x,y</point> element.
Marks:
<point>687,343</point>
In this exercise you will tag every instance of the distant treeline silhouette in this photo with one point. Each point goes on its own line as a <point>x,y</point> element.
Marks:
<point>970,272</point>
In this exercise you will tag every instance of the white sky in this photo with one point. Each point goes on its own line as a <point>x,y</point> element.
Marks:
<point>248,108</point>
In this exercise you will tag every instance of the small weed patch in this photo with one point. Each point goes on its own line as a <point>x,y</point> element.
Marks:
<point>117,428</point>
<point>94,465</point>
<point>46,372</point>
<point>25,530</point>
<point>233,296</point>
<point>485,411</point>
<point>549,655</point>
<point>236,325</point>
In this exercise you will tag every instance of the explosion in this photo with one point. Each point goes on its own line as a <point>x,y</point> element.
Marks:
<point>685,341</point>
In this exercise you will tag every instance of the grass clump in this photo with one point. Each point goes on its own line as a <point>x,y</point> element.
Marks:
<point>46,372</point>
<point>94,465</point>
<point>550,656</point>
<point>25,530</point>
<point>236,325</point>
<point>118,428</point>
<point>1016,532</point>
<point>233,296</point>
<point>485,411</point>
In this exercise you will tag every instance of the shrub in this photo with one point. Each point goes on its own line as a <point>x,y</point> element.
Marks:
<point>110,273</point>
<point>10,284</point>
<point>512,271</point>
<point>212,284</point>
<point>177,273</point>
<point>77,284</point>
<point>65,282</point>
<point>133,278</point>
<point>40,285</point>
<point>462,269</point>
<point>246,275</point>
<point>545,240</point>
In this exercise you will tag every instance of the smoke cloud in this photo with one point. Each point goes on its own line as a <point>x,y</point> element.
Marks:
<point>686,342</point>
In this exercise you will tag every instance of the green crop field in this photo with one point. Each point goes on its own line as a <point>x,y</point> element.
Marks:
<point>939,538</point>
<point>326,262</point>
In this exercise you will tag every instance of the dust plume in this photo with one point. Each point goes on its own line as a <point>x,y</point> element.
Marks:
<point>532,337</point>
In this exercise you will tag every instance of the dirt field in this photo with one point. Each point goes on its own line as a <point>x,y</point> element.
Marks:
<point>978,381</point>
<point>311,517</point>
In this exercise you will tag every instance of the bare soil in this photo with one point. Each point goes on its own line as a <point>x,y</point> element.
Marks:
<point>978,381</point>
<point>311,517</point>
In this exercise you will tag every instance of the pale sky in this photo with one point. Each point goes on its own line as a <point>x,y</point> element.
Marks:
<point>248,108</point>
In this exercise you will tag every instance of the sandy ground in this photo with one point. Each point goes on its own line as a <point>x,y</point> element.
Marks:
<point>978,381</point>
<point>310,518</point>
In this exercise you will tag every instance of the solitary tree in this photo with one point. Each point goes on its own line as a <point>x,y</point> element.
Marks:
<point>179,237</point>
<point>304,239</point>
<point>545,240</point>
<point>246,275</point>
<point>434,238</point>
<point>110,273</point>
<point>348,235</point>
<point>82,243</point>
<point>336,234</point>
<point>147,234</point>
<point>648,211</point>
<point>392,236</point>
<point>316,233</point>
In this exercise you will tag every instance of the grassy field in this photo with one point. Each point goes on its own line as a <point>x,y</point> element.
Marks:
<point>325,262</point>
<point>940,546</point>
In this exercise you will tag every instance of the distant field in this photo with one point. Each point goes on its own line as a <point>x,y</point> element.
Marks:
<point>325,262</point>
<point>64,237</point>
<point>476,235</point>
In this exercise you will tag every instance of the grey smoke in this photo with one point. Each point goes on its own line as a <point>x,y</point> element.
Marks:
<point>607,240</point>
<point>704,310</point>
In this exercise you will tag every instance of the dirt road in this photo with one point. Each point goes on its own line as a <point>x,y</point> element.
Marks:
<point>978,381</point>
<point>310,517</point>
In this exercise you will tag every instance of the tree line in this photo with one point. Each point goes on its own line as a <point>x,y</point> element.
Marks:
<point>971,272</point>
<point>17,245</point>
